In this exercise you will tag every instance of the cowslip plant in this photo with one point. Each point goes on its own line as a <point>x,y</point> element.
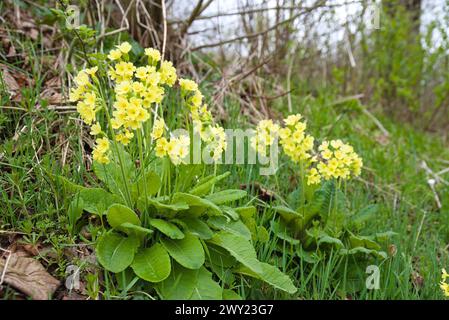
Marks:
<point>316,217</point>
<point>165,221</point>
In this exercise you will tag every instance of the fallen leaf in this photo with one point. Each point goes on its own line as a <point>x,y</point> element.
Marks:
<point>28,276</point>
<point>52,95</point>
<point>11,83</point>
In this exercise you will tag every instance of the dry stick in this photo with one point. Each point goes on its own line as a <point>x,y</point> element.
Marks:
<point>2,278</point>
<point>199,8</point>
<point>431,183</point>
<point>433,174</point>
<point>442,171</point>
<point>164,20</point>
<point>150,28</point>
<point>124,20</point>
<point>289,76</point>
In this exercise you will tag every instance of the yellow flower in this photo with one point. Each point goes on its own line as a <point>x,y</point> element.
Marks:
<point>124,70</point>
<point>297,145</point>
<point>336,143</point>
<point>114,54</point>
<point>125,47</point>
<point>161,147</point>
<point>153,77</point>
<point>124,137</point>
<point>123,88</point>
<point>313,177</point>
<point>339,160</point>
<point>444,275</point>
<point>100,152</point>
<point>138,87</point>
<point>153,54</point>
<point>177,149</point>
<point>90,99</point>
<point>100,157</point>
<point>86,112</point>
<point>188,85</point>
<point>141,73</point>
<point>116,123</point>
<point>102,144</point>
<point>75,94</point>
<point>153,95</point>
<point>158,129</point>
<point>92,71</point>
<point>142,115</point>
<point>196,100</point>
<point>82,79</point>
<point>293,119</point>
<point>168,73</point>
<point>266,132</point>
<point>95,129</point>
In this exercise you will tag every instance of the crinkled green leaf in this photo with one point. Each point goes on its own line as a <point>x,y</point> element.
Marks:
<point>116,252</point>
<point>98,200</point>
<point>152,264</point>
<point>235,227</point>
<point>226,196</point>
<point>180,284</point>
<point>286,213</point>
<point>195,202</point>
<point>188,252</point>
<point>119,214</point>
<point>206,288</point>
<point>360,241</point>
<point>167,228</point>
<point>239,247</point>
<point>271,275</point>
<point>198,228</point>
<point>203,188</point>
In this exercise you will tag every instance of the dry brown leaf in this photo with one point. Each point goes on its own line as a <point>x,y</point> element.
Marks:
<point>29,276</point>
<point>11,83</point>
<point>52,95</point>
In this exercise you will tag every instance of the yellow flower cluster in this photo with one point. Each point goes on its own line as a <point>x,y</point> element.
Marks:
<point>193,98</point>
<point>87,106</point>
<point>266,132</point>
<point>101,150</point>
<point>443,284</point>
<point>215,138</point>
<point>338,160</point>
<point>137,89</point>
<point>121,50</point>
<point>212,134</point>
<point>85,95</point>
<point>295,142</point>
<point>177,148</point>
<point>158,129</point>
<point>154,56</point>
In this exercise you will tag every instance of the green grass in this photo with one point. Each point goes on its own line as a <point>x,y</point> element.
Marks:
<point>36,141</point>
